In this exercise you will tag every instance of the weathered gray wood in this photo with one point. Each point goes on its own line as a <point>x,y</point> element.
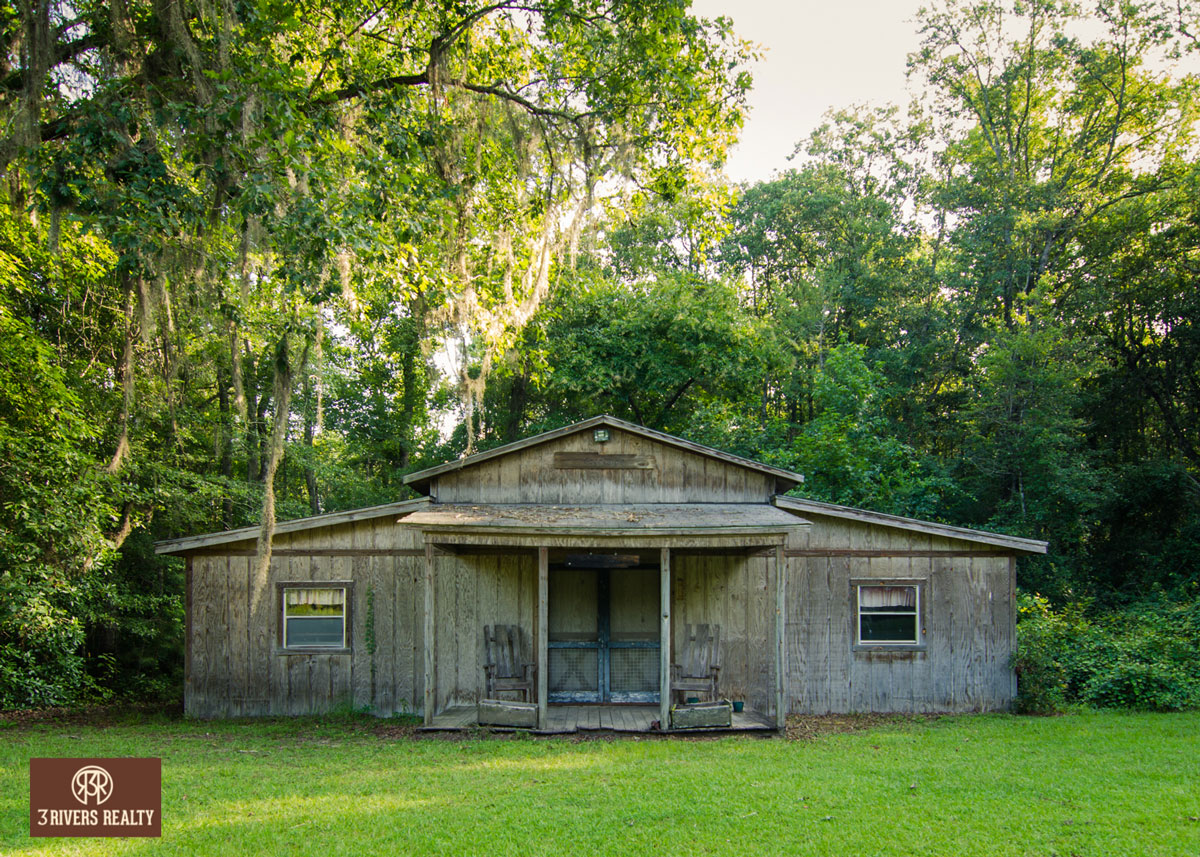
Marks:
<point>687,519</point>
<point>606,539</point>
<point>222,640</point>
<point>699,667</point>
<point>196,702</point>
<point>189,633</point>
<point>315,551</point>
<point>664,638</point>
<point>543,639</point>
<point>600,461</point>
<point>429,639</point>
<point>705,715</point>
<point>711,577</point>
<point>333,519</point>
<point>780,640</point>
<point>1010,643</point>
<point>758,683</point>
<point>508,669</point>
<point>497,712</point>
<point>814,507</point>
<point>892,552</point>
<point>530,476</point>
<point>238,634</point>
<point>780,480</point>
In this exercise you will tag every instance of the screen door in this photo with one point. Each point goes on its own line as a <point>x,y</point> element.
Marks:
<point>603,635</point>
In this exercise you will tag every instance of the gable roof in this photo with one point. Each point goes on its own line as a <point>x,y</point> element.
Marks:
<point>421,479</point>
<point>815,507</point>
<point>312,522</point>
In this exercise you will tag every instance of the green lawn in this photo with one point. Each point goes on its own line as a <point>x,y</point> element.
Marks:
<point>1093,784</point>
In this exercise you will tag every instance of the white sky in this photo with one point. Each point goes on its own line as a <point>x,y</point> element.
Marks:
<point>820,54</point>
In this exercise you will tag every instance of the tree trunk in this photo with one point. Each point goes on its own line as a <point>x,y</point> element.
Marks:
<point>225,442</point>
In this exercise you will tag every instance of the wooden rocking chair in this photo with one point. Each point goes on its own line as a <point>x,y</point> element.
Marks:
<point>506,670</point>
<point>701,662</point>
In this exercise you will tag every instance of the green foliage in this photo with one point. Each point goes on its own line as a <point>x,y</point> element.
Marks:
<point>253,255</point>
<point>232,237</point>
<point>1144,657</point>
<point>652,353</point>
<point>849,451</point>
<point>55,512</point>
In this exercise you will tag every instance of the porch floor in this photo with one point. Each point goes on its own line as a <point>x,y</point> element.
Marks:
<point>567,719</point>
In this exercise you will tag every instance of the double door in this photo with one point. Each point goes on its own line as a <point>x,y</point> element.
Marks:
<point>604,635</point>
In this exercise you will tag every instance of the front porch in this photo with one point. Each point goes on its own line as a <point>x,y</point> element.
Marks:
<point>601,601</point>
<point>570,719</point>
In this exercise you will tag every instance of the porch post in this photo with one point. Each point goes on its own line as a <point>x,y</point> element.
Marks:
<point>430,675</point>
<point>543,636</point>
<point>780,637</point>
<point>664,641</point>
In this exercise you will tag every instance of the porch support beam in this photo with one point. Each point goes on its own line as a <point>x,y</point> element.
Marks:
<point>430,674</point>
<point>664,641</point>
<point>780,637</point>
<point>543,637</point>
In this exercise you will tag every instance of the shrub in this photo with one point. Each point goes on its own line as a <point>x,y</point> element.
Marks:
<point>1147,686</point>
<point>1143,657</point>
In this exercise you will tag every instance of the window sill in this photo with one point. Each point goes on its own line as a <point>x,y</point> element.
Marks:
<point>311,650</point>
<point>890,648</point>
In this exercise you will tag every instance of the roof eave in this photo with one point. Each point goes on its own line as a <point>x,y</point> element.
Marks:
<point>330,519</point>
<point>1014,543</point>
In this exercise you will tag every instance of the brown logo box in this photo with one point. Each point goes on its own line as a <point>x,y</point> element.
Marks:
<point>95,797</point>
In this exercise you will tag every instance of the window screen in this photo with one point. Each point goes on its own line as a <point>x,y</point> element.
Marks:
<point>314,617</point>
<point>888,614</point>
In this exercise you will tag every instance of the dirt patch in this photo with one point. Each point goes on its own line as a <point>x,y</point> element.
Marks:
<point>100,716</point>
<point>808,727</point>
<point>396,731</point>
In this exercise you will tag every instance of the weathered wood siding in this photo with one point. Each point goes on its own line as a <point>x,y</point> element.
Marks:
<point>737,593</point>
<point>235,664</point>
<point>471,592</point>
<point>967,612</point>
<point>565,472</point>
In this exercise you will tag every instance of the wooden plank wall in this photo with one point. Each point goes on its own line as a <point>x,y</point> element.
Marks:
<point>737,593</point>
<point>237,667</point>
<point>473,591</point>
<point>676,476</point>
<point>968,619</point>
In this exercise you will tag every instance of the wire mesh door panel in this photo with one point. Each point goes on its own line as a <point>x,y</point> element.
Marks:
<point>574,675</point>
<point>633,619</point>
<point>603,635</point>
<point>574,636</point>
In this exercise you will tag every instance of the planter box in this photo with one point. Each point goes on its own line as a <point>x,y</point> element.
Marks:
<point>704,715</point>
<point>502,712</point>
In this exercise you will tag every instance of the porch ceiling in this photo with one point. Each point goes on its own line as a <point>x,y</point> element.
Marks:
<point>717,518</point>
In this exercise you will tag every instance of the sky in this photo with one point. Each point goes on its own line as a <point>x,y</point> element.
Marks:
<point>819,54</point>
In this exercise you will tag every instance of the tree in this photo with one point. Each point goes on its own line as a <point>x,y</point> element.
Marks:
<point>656,353</point>
<point>263,189</point>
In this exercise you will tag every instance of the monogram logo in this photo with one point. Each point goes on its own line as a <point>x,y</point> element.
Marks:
<point>92,783</point>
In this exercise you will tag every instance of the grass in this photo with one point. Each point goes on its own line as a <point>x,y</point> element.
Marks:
<point>1089,784</point>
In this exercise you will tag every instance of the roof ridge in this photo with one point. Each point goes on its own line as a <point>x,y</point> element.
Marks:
<point>420,478</point>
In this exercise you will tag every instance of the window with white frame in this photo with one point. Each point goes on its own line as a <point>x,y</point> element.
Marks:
<point>889,614</point>
<point>314,617</point>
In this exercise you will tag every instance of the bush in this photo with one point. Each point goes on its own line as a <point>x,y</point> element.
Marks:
<point>1144,657</point>
<point>1147,686</point>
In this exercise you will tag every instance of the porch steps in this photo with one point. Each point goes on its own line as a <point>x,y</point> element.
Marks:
<point>571,719</point>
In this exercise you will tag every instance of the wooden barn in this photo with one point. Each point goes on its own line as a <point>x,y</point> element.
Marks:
<point>602,575</point>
